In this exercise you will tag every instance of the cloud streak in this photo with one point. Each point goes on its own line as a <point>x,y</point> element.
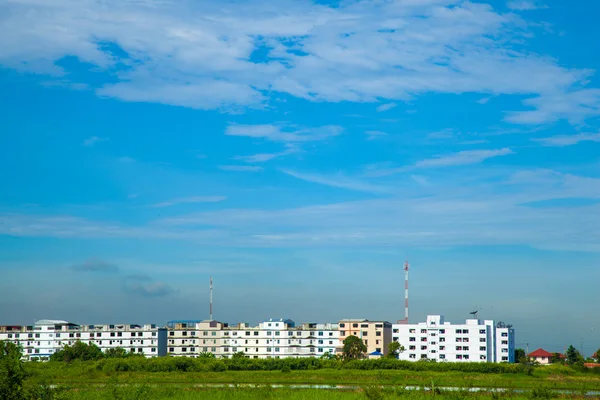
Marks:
<point>95,265</point>
<point>568,140</point>
<point>91,141</point>
<point>337,181</point>
<point>466,157</point>
<point>190,200</point>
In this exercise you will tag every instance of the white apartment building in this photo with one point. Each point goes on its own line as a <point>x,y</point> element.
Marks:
<point>275,338</point>
<point>46,337</point>
<point>473,341</point>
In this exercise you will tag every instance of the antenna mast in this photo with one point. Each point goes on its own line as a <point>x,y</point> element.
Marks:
<point>211,291</point>
<point>406,268</point>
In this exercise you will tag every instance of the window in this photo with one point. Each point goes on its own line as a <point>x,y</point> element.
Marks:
<point>320,350</point>
<point>412,356</point>
<point>458,348</point>
<point>364,325</point>
<point>505,350</point>
<point>482,357</point>
<point>342,325</point>
<point>442,339</point>
<point>355,325</point>
<point>423,347</point>
<point>482,331</point>
<point>423,330</point>
<point>412,347</point>
<point>396,331</point>
<point>504,358</point>
<point>183,349</point>
<point>412,339</point>
<point>423,339</point>
<point>226,349</point>
<point>442,356</point>
<point>171,349</point>
<point>276,349</point>
<point>378,349</point>
<point>505,342</point>
<point>277,333</point>
<point>378,333</point>
<point>504,334</point>
<point>442,331</point>
<point>268,333</point>
<point>458,331</point>
<point>364,333</point>
<point>459,357</point>
<point>482,348</point>
<point>184,333</point>
<point>412,330</point>
<point>213,349</point>
<point>423,356</point>
<point>442,347</point>
<point>268,349</point>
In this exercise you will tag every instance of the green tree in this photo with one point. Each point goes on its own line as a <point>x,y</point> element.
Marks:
<point>556,358</point>
<point>239,355</point>
<point>354,348</point>
<point>596,355</point>
<point>394,349</point>
<point>79,351</point>
<point>573,356</point>
<point>12,372</point>
<point>520,356</point>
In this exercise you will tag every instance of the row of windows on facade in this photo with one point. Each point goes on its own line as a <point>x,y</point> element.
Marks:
<point>257,341</point>
<point>443,331</point>
<point>443,340</point>
<point>78,335</point>
<point>70,343</point>
<point>362,333</point>
<point>37,351</point>
<point>246,350</point>
<point>247,333</point>
<point>355,325</point>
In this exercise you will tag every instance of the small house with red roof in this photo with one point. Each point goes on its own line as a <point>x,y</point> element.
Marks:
<point>541,356</point>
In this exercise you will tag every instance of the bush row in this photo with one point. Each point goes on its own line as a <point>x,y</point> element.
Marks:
<point>184,364</point>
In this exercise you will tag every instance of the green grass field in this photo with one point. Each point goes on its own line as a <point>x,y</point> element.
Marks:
<point>94,380</point>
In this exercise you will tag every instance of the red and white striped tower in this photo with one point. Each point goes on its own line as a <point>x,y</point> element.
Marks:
<point>406,268</point>
<point>211,290</point>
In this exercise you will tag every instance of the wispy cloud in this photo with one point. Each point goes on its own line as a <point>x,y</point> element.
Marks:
<point>190,62</point>
<point>241,168</point>
<point>525,5</point>
<point>466,157</point>
<point>462,158</point>
<point>95,265</point>
<point>337,181</point>
<point>278,133</point>
<point>190,200</point>
<point>93,140</point>
<point>371,135</point>
<point>385,107</point>
<point>263,157</point>
<point>568,140</point>
<point>145,286</point>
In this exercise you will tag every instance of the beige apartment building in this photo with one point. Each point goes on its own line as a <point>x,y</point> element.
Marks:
<point>376,335</point>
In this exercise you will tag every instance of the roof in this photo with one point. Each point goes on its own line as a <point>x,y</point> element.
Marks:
<point>540,353</point>
<point>53,322</point>
<point>376,353</point>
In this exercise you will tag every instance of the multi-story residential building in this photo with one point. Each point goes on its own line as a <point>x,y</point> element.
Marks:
<point>473,341</point>
<point>46,337</point>
<point>376,335</point>
<point>275,338</point>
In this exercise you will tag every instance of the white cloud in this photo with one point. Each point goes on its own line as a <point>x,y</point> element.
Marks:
<point>568,140</point>
<point>525,5</point>
<point>462,158</point>
<point>200,54</point>
<point>385,107</point>
<point>278,133</point>
<point>241,168</point>
<point>190,200</point>
<point>374,134</point>
<point>337,181</point>
<point>466,157</point>
<point>574,106</point>
<point>93,140</point>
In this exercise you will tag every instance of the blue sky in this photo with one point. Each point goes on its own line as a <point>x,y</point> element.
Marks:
<point>299,152</point>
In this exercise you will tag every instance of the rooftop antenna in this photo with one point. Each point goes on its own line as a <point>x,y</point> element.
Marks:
<point>474,313</point>
<point>211,291</point>
<point>406,269</point>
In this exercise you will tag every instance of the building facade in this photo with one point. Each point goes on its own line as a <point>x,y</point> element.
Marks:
<point>473,341</point>
<point>376,335</point>
<point>275,338</point>
<point>46,337</point>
